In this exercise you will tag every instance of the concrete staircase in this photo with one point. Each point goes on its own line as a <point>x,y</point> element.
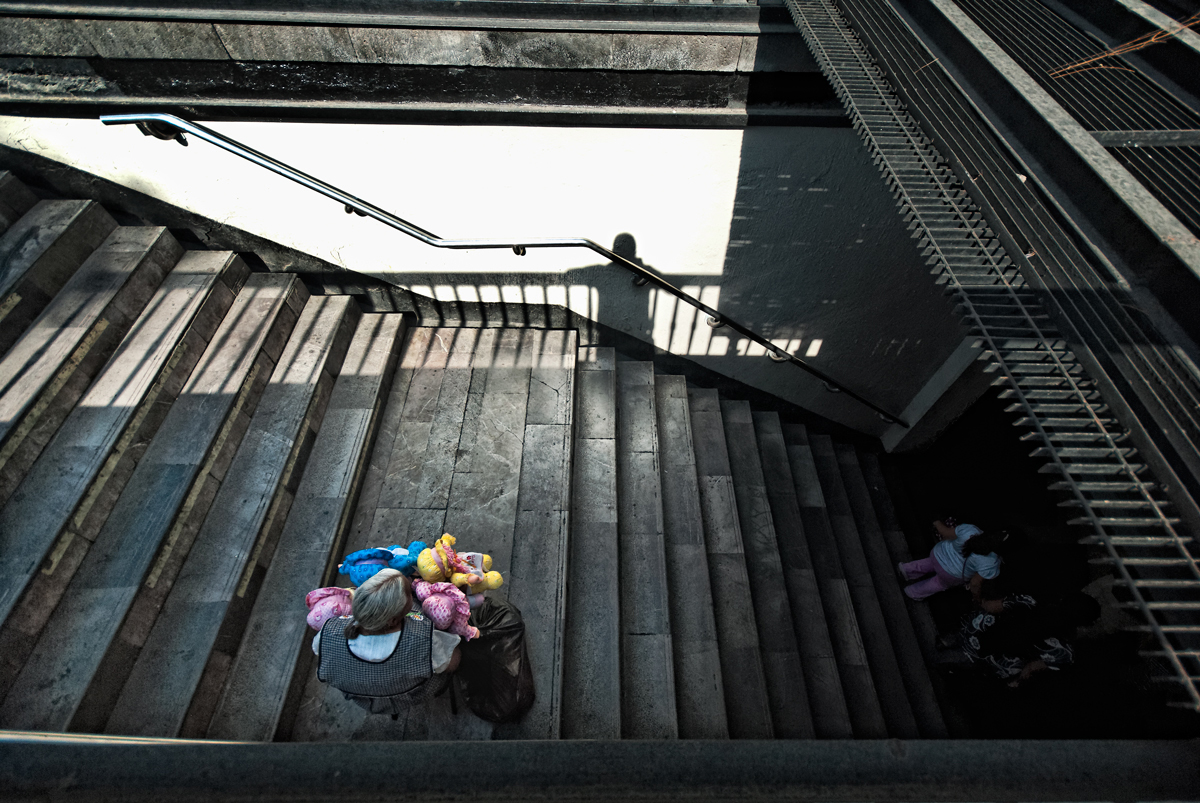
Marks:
<point>753,565</point>
<point>187,447</point>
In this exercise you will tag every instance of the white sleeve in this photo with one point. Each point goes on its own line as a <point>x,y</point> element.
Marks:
<point>316,645</point>
<point>442,650</point>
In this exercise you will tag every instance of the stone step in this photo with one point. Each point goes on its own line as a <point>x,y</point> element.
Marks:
<point>786,690</point>
<point>258,488</point>
<point>912,669</point>
<point>39,253</point>
<point>884,501</point>
<point>143,375</point>
<point>15,200</point>
<point>168,492</point>
<point>52,364</point>
<point>273,651</point>
<point>862,701</point>
<point>539,545</point>
<point>699,691</point>
<point>747,705</point>
<point>885,670</point>
<point>324,713</point>
<point>647,663</point>
<point>591,706</point>
<point>831,719</point>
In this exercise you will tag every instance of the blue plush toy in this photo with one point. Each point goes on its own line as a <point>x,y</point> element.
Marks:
<point>364,563</point>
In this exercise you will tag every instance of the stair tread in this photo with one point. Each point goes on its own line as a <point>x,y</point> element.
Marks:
<point>543,505</point>
<point>746,700</point>
<point>647,670</point>
<point>324,713</point>
<point>78,633</point>
<point>861,697</point>
<point>881,657</point>
<point>920,615</point>
<point>699,691</point>
<point>133,258</point>
<point>925,708</point>
<point>786,690</point>
<point>41,506</point>
<point>155,699</point>
<point>262,672</point>
<point>591,703</point>
<point>39,253</point>
<point>831,719</point>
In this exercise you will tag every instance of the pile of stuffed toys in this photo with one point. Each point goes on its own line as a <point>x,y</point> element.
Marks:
<point>446,583</point>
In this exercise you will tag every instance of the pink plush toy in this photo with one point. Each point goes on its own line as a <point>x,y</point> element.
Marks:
<point>446,606</point>
<point>325,604</point>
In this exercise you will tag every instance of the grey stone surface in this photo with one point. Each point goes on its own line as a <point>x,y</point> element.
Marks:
<point>540,544</point>
<point>891,600</point>
<point>675,52</point>
<point>156,697</point>
<point>286,43</point>
<point>15,200</point>
<point>40,507</point>
<point>84,302</point>
<point>40,253</point>
<point>646,666</point>
<point>699,693</point>
<point>877,643</point>
<point>263,670</point>
<point>786,688</point>
<point>591,700</point>
<point>596,358</point>
<point>861,699</point>
<point>635,407</point>
<point>544,464</point>
<point>38,36</point>
<point>550,396</point>
<point>831,720</point>
<point>69,652</point>
<point>146,39</point>
<point>746,700</point>
<point>540,554</point>
<point>647,709</point>
<point>597,415</point>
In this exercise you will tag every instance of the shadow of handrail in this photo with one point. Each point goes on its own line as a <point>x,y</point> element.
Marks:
<point>170,127</point>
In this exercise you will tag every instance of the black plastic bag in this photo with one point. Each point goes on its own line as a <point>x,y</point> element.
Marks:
<point>495,675</point>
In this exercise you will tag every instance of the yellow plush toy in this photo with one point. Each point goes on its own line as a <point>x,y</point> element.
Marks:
<point>472,571</point>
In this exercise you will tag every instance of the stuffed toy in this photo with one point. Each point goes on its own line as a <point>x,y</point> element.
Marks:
<point>446,606</point>
<point>365,563</point>
<point>470,570</point>
<point>327,603</point>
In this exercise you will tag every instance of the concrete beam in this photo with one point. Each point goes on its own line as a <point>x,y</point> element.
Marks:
<point>88,769</point>
<point>1148,209</point>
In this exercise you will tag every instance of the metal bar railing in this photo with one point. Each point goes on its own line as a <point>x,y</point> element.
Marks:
<point>167,126</point>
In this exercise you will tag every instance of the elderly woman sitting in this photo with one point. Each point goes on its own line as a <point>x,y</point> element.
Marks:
<point>385,657</point>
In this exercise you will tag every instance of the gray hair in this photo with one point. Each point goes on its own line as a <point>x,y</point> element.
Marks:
<point>379,600</point>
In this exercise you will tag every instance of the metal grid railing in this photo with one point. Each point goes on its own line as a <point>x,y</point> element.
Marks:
<point>1111,94</point>
<point>1067,421</point>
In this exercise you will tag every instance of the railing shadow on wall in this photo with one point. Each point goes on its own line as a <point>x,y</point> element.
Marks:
<point>168,127</point>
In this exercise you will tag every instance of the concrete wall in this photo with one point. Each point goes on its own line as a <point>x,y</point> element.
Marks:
<point>788,230</point>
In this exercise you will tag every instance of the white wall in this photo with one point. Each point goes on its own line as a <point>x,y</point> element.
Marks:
<point>787,229</point>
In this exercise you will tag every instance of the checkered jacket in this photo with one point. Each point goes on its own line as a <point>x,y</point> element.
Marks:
<point>391,686</point>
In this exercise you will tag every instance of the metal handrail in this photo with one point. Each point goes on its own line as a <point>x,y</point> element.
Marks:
<point>167,126</point>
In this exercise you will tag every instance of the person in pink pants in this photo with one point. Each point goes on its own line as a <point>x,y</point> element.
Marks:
<point>950,563</point>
